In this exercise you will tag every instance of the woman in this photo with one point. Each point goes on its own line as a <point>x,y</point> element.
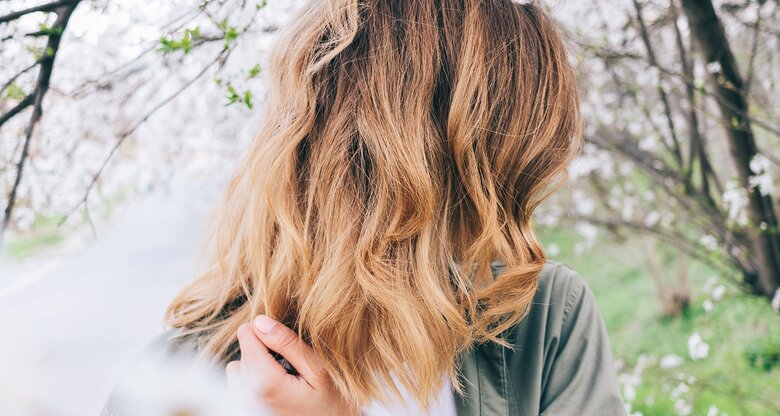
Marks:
<point>378,235</point>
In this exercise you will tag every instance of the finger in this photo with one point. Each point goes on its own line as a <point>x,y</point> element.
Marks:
<point>256,361</point>
<point>286,342</point>
<point>232,373</point>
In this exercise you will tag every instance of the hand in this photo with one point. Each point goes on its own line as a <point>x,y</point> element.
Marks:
<point>310,392</point>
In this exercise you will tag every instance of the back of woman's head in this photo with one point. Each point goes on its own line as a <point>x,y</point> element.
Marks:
<point>406,145</point>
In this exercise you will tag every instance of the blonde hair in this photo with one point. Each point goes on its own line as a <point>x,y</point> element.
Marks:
<point>405,147</point>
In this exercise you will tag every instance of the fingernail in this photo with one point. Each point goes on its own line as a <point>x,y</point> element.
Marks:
<point>264,324</point>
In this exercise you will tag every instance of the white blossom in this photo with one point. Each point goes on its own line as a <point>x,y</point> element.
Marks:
<point>583,203</point>
<point>776,301</point>
<point>679,390</point>
<point>670,361</point>
<point>736,200</point>
<point>709,242</point>
<point>713,67</point>
<point>588,231</point>
<point>762,175</point>
<point>764,182</point>
<point>630,381</point>
<point>652,218</point>
<point>635,128</point>
<point>682,407</point>
<point>591,160</point>
<point>697,348</point>
<point>759,164</point>
<point>648,143</point>
<point>627,210</point>
<point>718,292</point>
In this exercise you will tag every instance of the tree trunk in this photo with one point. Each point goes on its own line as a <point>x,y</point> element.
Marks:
<point>707,30</point>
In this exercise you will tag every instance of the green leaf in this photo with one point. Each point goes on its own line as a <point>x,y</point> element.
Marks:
<point>231,34</point>
<point>223,25</point>
<point>185,44</point>
<point>166,45</point>
<point>46,30</point>
<point>248,99</point>
<point>195,32</point>
<point>14,92</point>
<point>233,96</point>
<point>255,71</point>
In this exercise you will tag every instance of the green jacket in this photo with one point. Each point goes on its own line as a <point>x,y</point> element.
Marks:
<point>561,362</point>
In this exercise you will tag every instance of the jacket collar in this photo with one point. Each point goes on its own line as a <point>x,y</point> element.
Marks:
<point>483,375</point>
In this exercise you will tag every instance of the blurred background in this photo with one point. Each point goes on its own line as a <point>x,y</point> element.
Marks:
<point>121,120</point>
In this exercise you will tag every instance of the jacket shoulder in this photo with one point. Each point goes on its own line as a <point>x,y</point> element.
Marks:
<point>559,286</point>
<point>561,363</point>
<point>560,293</point>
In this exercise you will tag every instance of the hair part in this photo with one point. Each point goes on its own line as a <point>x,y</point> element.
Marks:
<point>405,147</point>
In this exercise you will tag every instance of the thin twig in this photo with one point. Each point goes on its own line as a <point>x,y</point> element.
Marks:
<point>18,74</point>
<point>753,52</point>
<point>672,237</point>
<point>661,90</point>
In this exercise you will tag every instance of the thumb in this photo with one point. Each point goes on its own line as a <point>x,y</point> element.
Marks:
<point>289,345</point>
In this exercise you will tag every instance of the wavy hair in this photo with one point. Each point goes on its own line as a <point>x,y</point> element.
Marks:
<point>405,147</point>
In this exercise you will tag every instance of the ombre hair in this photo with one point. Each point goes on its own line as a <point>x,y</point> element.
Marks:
<point>405,147</point>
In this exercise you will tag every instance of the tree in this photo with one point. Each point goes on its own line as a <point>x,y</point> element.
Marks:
<point>732,101</point>
<point>107,90</point>
<point>45,64</point>
<point>649,113</point>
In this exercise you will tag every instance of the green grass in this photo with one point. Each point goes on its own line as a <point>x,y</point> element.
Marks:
<point>47,231</point>
<point>44,234</point>
<point>738,326</point>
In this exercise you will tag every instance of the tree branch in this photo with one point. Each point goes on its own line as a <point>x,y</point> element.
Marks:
<point>48,7</point>
<point>18,108</point>
<point>661,90</point>
<point>672,237</point>
<point>19,74</point>
<point>753,52</point>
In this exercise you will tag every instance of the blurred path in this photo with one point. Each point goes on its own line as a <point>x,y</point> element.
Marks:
<point>68,334</point>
